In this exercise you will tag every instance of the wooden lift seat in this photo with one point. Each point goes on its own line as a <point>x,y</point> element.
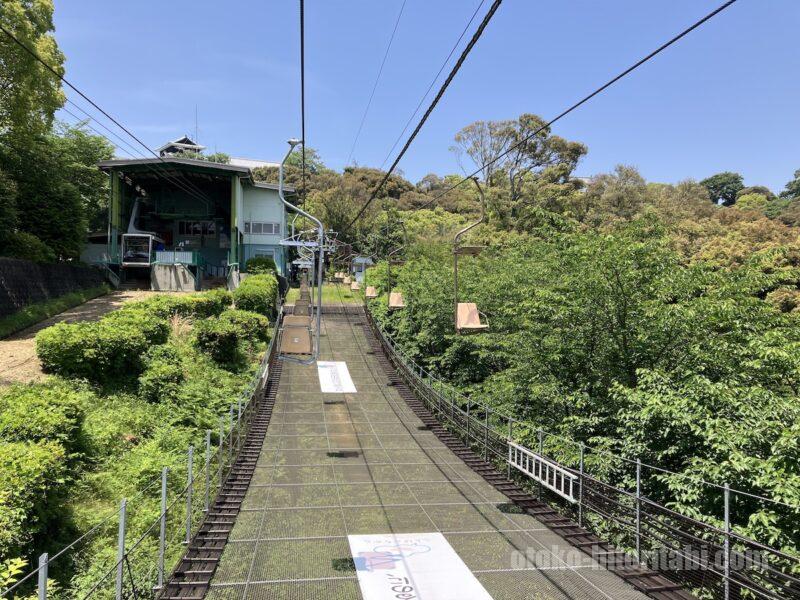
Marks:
<point>396,300</point>
<point>468,318</point>
<point>347,280</point>
<point>355,286</point>
<point>296,340</point>
<point>371,292</point>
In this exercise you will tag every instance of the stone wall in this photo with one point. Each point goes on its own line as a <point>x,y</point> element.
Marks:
<point>23,282</point>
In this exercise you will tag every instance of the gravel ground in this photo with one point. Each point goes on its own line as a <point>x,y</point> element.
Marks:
<point>18,362</point>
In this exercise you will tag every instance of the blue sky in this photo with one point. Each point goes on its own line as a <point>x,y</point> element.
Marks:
<point>725,98</point>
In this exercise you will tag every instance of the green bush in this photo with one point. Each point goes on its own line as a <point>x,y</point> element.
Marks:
<point>219,338</point>
<point>251,325</point>
<point>163,374</point>
<point>257,293</point>
<point>21,244</point>
<point>103,351</point>
<point>50,411</point>
<point>29,474</point>
<point>261,264</point>
<point>202,305</point>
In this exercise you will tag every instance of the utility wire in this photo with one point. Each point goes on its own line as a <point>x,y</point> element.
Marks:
<point>584,100</point>
<point>16,40</point>
<point>303,96</point>
<point>475,37</point>
<point>433,82</point>
<point>375,85</point>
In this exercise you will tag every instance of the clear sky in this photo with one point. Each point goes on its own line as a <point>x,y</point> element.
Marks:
<point>725,98</point>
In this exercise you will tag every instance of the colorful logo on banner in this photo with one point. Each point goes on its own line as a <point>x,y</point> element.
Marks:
<point>385,557</point>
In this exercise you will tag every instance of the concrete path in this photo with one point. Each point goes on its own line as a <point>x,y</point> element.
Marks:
<point>335,465</point>
<point>18,362</point>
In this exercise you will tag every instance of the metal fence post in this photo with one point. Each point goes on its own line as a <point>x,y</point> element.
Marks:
<point>189,492</point>
<point>638,510</point>
<point>510,439</point>
<point>220,455</point>
<point>486,433</point>
<point>230,441</point>
<point>43,563</point>
<point>469,434</point>
<point>727,554</point>
<point>208,470</point>
<point>580,485</point>
<point>121,548</point>
<point>162,533</point>
<point>541,454</point>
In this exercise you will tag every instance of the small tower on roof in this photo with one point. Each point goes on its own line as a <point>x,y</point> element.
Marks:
<point>183,144</point>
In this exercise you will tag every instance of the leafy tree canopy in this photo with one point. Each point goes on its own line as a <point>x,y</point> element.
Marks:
<point>723,187</point>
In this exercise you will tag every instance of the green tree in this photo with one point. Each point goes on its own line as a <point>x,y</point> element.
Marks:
<point>723,187</point>
<point>792,189</point>
<point>29,93</point>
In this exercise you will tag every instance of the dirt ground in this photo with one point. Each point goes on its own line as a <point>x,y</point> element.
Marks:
<point>18,362</point>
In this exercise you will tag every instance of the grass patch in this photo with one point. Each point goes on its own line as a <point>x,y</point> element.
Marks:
<point>331,294</point>
<point>35,313</point>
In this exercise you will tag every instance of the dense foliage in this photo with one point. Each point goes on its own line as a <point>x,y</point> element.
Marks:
<point>257,293</point>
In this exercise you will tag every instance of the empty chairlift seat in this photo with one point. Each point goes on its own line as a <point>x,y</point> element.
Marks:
<point>371,292</point>
<point>355,286</point>
<point>347,280</point>
<point>396,300</point>
<point>468,318</point>
<point>296,340</point>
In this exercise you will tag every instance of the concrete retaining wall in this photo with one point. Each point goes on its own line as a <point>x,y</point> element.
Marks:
<point>23,282</point>
<point>172,278</point>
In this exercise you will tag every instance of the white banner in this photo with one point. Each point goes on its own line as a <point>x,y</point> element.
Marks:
<point>412,566</point>
<point>334,378</point>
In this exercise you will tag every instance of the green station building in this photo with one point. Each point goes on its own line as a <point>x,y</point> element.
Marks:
<point>180,221</point>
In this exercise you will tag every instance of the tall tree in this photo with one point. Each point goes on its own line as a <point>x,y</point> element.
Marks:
<point>723,187</point>
<point>29,93</point>
<point>792,189</point>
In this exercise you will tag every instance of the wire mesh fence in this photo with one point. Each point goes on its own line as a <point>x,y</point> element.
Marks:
<point>619,499</point>
<point>154,527</point>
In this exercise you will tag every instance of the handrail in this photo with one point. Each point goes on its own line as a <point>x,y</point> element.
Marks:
<point>637,522</point>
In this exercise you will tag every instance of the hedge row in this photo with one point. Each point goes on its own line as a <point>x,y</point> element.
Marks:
<point>222,338</point>
<point>206,304</point>
<point>258,293</point>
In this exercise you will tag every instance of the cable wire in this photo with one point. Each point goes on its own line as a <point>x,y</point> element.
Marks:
<point>303,96</point>
<point>375,85</point>
<point>584,100</point>
<point>433,82</point>
<point>475,37</point>
<point>17,41</point>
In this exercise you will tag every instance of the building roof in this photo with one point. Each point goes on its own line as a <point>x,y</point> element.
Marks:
<point>183,143</point>
<point>252,163</point>
<point>242,172</point>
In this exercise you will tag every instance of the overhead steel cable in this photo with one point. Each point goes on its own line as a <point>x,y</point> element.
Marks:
<point>584,100</point>
<point>474,40</point>
<point>433,82</point>
<point>303,96</point>
<point>377,80</point>
<point>17,41</point>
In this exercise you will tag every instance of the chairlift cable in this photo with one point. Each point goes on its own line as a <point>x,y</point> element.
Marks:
<point>475,37</point>
<point>585,99</point>
<point>303,97</point>
<point>433,82</point>
<point>22,45</point>
<point>375,85</point>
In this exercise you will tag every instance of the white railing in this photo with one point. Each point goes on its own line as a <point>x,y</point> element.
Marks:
<point>175,257</point>
<point>550,474</point>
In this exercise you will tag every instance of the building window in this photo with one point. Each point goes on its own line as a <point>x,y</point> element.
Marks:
<point>197,228</point>
<point>261,228</point>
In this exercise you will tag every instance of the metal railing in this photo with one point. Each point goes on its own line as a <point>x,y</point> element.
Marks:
<point>163,525</point>
<point>606,494</point>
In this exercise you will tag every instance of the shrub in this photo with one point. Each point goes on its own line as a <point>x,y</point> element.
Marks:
<point>202,305</point>
<point>250,325</point>
<point>261,264</point>
<point>219,338</point>
<point>21,244</point>
<point>257,293</point>
<point>163,374</point>
<point>102,351</point>
<point>39,412</point>
<point>29,473</point>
